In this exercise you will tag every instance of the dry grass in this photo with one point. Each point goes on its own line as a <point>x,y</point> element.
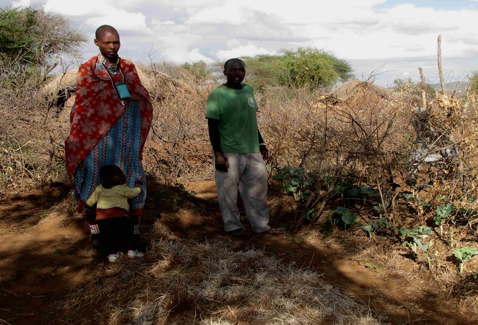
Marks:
<point>183,282</point>
<point>364,134</point>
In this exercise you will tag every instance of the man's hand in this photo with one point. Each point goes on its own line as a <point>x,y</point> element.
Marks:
<point>221,161</point>
<point>138,183</point>
<point>264,152</point>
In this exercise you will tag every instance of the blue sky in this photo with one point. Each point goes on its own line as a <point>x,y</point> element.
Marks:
<point>392,36</point>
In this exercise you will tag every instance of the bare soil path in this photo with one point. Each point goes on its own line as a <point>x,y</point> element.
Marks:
<point>400,300</point>
<point>43,258</point>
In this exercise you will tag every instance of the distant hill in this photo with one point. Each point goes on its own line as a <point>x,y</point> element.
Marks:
<point>459,87</point>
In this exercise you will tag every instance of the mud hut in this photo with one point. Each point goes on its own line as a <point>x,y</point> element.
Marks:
<point>61,88</point>
<point>355,90</point>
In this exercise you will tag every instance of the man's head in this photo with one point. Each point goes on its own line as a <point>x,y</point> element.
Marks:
<point>235,71</point>
<point>111,175</point>
<point>108,41</point>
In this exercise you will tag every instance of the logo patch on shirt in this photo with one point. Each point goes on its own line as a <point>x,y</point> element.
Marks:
<point>251,102</point>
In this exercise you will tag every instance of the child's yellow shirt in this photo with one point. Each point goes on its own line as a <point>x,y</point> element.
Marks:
<point>115,197</point>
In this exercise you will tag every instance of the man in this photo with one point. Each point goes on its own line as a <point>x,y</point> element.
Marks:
<point>110,121</point>
<point>239,151</point>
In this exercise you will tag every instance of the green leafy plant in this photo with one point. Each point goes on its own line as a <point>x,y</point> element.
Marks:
<point>442,213</point>
<point>413,240</point>
<point>414,200</point>
<point>464,253</point>
<point>373,266</point>
<point>380,208</point>
<point>375,225</point>
<point>362,191</point>
<point>296,181</point>
<point>343,214</point>
<point>366,191</point>
<point>43,214</point>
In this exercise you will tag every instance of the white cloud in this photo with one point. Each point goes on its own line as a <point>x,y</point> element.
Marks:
<point>190,30</point>
<point>231,13</point>
<point>21,3</point>
<point>80,8</point>
<point>121,21</point>
<point>100,12</point>
<point>181,56</point>
<point>242,50</point>
<point>234,42</point>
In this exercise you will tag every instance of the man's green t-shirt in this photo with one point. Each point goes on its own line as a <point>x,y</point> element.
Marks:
<point>236,111</point>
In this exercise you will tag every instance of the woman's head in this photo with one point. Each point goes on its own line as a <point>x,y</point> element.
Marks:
<point>112,175</point>
<point>108,41</point>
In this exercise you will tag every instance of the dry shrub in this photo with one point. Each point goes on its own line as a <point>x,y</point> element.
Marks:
<point>210,283</point>
<point>179,144</point>
<point>360,138</point>
<point>451,132</point>
<point>31,152</point>
<point>323,133</point>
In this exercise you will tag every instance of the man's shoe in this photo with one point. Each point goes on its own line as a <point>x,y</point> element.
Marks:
<point>273,232</point>
<point>239,233</point>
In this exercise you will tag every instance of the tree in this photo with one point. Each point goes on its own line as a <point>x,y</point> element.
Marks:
<point>304,68</point>
<point>34,38</point>
<point>261,71</point>
<point>414,88</point>
<point>15,41</point>
<point>313,69</point>
<point>199,70</point>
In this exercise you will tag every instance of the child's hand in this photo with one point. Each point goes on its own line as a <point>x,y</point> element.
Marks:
<point>89,212</point>
<point>138,183</point>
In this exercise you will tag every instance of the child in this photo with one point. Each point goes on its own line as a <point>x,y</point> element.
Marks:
<point>111,199</point>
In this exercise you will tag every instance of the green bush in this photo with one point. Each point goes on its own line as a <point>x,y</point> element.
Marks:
<point>304,68</point>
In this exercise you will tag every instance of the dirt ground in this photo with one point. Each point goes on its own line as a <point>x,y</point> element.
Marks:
<point>45,255</point>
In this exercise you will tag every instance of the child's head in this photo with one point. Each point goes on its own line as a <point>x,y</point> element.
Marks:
<point>112,175</point>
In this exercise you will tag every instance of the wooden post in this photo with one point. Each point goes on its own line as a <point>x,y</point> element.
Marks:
<point>424,93</point>
<point>440,70</point>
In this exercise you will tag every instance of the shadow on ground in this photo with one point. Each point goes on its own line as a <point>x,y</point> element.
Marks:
<point>398,300</point>
<point>44,256</point>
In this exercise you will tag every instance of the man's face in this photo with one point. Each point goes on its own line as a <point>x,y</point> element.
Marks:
<point>235,72</point>
<point>109,44</point>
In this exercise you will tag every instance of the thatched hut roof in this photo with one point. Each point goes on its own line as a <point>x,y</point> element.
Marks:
<point>159,84</point>
<point>60,81</point>
<point>349,89</point>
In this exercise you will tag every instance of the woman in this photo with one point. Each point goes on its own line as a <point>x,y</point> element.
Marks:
<point>109,124</point>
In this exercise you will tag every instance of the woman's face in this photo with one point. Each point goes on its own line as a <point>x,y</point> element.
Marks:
<point>109,45</point>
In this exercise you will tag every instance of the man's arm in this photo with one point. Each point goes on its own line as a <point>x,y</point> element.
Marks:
<point>262,146</point>
<point>215,138</point>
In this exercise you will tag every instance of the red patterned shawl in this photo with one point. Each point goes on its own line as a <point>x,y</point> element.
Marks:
<point>98,107</point>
